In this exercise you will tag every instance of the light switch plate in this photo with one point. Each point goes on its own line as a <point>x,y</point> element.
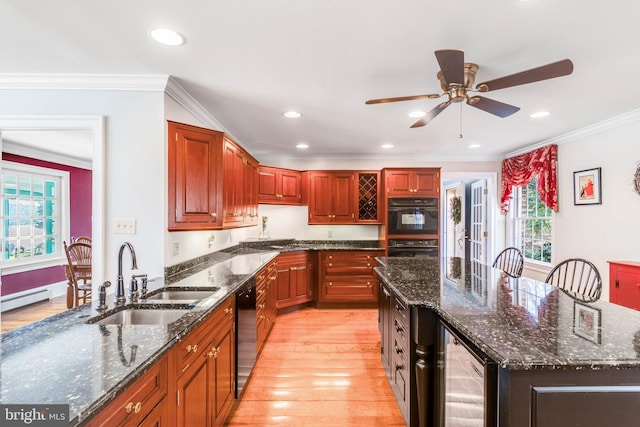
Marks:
<point>125,226</point>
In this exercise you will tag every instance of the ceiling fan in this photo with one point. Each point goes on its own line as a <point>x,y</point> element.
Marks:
<point>457,78</point>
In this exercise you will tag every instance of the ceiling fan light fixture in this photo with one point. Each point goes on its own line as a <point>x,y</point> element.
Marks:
<point>167,37</point>
<point>474,146</point>
<point>416,114</point>
<point>539,114</point>
<point>292,114</point>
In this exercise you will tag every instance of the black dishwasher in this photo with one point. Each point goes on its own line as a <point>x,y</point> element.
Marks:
<point>246,334</point>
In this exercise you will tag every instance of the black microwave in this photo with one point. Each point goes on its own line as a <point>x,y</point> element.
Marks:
<point>413,216</point>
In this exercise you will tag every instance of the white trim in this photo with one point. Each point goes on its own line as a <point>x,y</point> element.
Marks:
<point>605,125</point>
<point>96,125</point>
<point>35,153</point>
<point>133,82</point>
<point>11,301</point>
<point>35,265</point>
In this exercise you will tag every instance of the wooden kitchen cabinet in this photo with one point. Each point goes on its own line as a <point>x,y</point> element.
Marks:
<point>293,279</point>
<point>368,197</point>
<point>331,199</point>
<point>279,186</point>
<point>266,302</point>
<point>624,283</point>
<point>202,368</point>
<point>405,182</point>
<point>194,183</point>
<point>348,277</point>
<point>138,401</point>
<point>240,189</point>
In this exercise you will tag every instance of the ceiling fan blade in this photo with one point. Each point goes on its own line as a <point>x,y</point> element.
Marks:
<point>431,115</point>
<point>549,71</point>
<point>497,108</point>
<point>402,98</point>
<point>451,63</point>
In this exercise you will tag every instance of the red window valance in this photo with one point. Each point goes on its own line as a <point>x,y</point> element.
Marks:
<point>520,170</point>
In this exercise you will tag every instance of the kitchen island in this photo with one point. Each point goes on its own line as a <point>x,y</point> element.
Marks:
<point>557,361</point>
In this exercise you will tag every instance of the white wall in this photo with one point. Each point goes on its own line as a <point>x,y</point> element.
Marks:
<point>134,162</point>
<point>609,231</point>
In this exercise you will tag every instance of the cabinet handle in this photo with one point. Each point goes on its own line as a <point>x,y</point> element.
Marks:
<point>330,264</point>
<point>294,268</point>
<point>214,215</point>
<point>399,307</point>
<point>399,328</point>
<point>617,283</point>
<point>228,310</point>
<point>399,367</point>
<point>330,256</point>
<point>135,408</point>
<point>399,350</point>
<point>369,284</point>
<point>368,264</point>
<point>330,283</point>
<point>138,407</point>
<point>192,348</point>
<point>262,317</point>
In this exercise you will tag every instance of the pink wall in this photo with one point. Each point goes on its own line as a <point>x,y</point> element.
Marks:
<point>80,223</point>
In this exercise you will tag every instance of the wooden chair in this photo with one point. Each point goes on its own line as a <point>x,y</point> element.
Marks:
<point>81,239</point>
<point>78,273</point>
<point>578,278</point>
<point>510,261</point>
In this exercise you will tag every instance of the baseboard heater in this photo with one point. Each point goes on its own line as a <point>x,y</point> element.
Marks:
<point>11,302</point>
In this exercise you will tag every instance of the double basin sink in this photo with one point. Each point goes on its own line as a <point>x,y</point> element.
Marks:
<point>161,307</point>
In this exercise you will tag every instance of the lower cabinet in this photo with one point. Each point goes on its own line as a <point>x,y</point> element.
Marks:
<point>348,277</point>
<point>293,279</point>
<point>266,296</point>
<point>141,403</point>
<point>202,367</point>
<point>624,283</point>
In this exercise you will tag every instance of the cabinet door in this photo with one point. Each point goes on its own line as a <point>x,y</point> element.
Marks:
<point>343,185</point>
<point>232,190</point>
<point>267,188</point>
<point>194,162</point>
<point>628,293</point>
<point>320,198</point>
<point>222,371</point>
<point>398,183</point>
<point>290,190</point>
<point>367,209</point>
<point>158,417</point>
<point>283,287</point>
<point>192,394</point>
<point>250,191</point>
<point>427,182</point>
<point>302,283</point>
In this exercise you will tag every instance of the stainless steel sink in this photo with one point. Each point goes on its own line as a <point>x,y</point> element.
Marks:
<point>181,295</point>
<point>143,316</point>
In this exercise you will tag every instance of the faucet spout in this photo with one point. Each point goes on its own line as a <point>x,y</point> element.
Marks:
<point>120,294</point>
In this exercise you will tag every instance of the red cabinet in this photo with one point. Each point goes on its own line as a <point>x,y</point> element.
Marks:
<point>348,277</point>
<point>240,190</point>
<point>412,182</point>
<point>194,183</point>
<point>624,283</point>
<point>279,186</point>
<point>331,198</point>
<point>293,279</point>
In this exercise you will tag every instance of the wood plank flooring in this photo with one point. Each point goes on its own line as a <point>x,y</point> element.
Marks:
<point>24,315</point>
<point>319,368</point>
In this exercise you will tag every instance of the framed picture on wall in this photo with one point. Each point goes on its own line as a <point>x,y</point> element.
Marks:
<point>587,189</point>
<point>586,322</point>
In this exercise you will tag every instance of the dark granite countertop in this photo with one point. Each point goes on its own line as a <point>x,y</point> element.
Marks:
<point>62,359</point>
<point>65,360</point>
<point>519,323</point>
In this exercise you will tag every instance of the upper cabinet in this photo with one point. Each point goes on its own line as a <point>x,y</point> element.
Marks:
<point>279,186</point>
<point>342,197</point>
<point>212,181</point>
<point>412,182</point>
<point>195,159</point>
<point>240,189</point>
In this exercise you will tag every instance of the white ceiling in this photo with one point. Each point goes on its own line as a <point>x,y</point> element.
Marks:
<point>247,61</point>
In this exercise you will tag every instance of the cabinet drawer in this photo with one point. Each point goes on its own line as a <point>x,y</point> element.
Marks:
<point>349,256</point>
<point>401,312</point>
<point>132,405</point>
<point>347,269</point>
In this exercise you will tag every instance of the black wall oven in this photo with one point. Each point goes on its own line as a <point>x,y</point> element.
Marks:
<point>410,216</point>
<point>416,248</point>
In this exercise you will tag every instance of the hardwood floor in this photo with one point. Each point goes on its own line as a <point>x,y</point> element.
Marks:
<point>21,316</point>
<point>319,368</point>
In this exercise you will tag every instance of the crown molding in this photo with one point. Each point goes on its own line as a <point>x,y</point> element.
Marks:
<point>596,128</point>
<point>130,82</point>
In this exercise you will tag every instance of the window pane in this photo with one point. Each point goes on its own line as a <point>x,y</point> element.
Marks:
<point>25,248</point>
<point>38,247</point>
<point>25,207</point>
<point>38,187</point>
<point>11,207</point>
<point>10,249</point>
<point>50,208</point>
<point>38,207</point>
<point>10,228</point>
<point>50,189</point>
<point>10,184</point>
<point>533,224</point>
<point>25,228</point>
<point>50,245</point>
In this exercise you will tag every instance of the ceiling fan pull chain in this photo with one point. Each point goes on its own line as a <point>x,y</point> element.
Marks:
<point>461,120</point>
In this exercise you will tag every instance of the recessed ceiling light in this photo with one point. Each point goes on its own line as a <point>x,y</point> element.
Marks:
<point>475,146</point>
<point>302,146</point>
<point>291,114</point>
<point>417,114</point>
<point>167,36</point>
<point>539,114</point>
<point>387,146</point>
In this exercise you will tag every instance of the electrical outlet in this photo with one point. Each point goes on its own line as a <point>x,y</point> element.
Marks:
<point>175,248</point>
<point>330,234</point>
<point>125,226</point>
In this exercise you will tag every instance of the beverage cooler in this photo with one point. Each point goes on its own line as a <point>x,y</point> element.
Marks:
<point>467,383</point>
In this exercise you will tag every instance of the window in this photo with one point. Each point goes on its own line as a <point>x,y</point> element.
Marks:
<point>533,224</point>
<point>34,214</point>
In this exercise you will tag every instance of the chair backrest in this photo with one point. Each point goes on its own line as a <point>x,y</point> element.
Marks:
<point>79,259</point>
<point>578,277</point>
<point>510,261</point>
<point>81,239</point>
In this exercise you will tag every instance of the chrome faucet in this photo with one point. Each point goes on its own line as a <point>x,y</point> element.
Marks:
<point>120,295</point>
